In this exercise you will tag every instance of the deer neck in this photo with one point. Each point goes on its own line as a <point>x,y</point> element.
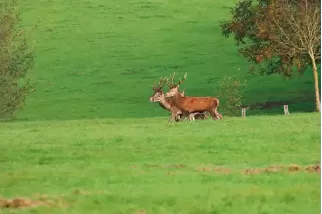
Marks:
<point>177,99</point>
<point>165,104</point>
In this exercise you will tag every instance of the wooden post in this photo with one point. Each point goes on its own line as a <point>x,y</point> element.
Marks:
<point>286,112</point>
<point>243,112</point>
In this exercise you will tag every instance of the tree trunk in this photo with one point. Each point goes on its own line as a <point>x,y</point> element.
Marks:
<point>316,84</point>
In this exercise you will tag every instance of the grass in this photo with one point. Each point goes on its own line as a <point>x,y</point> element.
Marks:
<point>90,141</point>
<point>96,59</point>
<point>148,165</point>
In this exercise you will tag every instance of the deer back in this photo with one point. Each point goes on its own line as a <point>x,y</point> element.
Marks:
<point>195,104</point>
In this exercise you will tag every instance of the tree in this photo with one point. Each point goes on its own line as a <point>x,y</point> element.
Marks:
<point>278,36</point>
<point>16,59</point>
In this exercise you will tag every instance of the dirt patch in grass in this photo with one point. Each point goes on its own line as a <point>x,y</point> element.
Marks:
<point>293,168</point>
<point>23,203</point>
<point>314,168</point>
<point>44,200</point>
<point>36,201</point>
<point>142,211</point>
<point>178,165</point>
<point>215,169</point>
<point>290,168</point>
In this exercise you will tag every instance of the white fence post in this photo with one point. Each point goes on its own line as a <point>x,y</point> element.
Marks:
<point>243,112</point>
<point>286,112</point>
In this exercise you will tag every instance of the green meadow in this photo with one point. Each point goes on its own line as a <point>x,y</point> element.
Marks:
<point>150,166</point>
<point>97,59</point>
<point>89,140</point>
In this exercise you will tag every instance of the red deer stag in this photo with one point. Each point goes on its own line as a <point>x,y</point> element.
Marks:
<point>167,103</point>
<point>197,115</point>
<point>164,102</point>
<point>189,104</point>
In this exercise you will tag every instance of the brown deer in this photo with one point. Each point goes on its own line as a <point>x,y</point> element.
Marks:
<point>164,102</point>
<point>196,115</point>
<point>167,103</point>
<point>189,104</point>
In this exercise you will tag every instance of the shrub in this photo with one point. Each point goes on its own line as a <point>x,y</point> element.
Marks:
<point>230,94</point>
<point>16,59</point>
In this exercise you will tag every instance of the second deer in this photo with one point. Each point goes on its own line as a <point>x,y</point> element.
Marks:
<point>196,115</point>
<point>189,104</point>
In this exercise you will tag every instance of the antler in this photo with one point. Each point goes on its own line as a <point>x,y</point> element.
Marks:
<point>162,82</point>
<point>184,78</point>
<point>154,87</point>
<point>160,85</point>
<point>171,84</point>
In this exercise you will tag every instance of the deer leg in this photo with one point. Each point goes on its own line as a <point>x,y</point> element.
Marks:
<point>203,116</point>
<point>171,118</point>
<point>219,116</point>
<point>191,117</point>
<point>200,116</point>
<point>213,114</point>
<point>184,115</point>
<point>178,117</point>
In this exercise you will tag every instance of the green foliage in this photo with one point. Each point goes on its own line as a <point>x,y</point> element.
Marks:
<point>16,59</point>
<point>275,36</point>
<point>230,93</point>
<point>122,166</point>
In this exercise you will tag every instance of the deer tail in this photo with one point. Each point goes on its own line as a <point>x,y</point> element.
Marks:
<point>216,103</point>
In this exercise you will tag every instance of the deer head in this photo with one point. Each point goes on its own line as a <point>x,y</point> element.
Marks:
<point>158,94</point>
<point>174,88</point>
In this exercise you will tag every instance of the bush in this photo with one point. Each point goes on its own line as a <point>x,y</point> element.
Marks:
<point>230,94</point>
<point>15,61</point>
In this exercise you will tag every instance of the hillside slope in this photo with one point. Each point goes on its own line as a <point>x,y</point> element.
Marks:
<point>97,58</point>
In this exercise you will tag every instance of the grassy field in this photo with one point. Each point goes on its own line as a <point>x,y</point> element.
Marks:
<point>89,140</point>
<point>96,59</point>
<point>150,166</point>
